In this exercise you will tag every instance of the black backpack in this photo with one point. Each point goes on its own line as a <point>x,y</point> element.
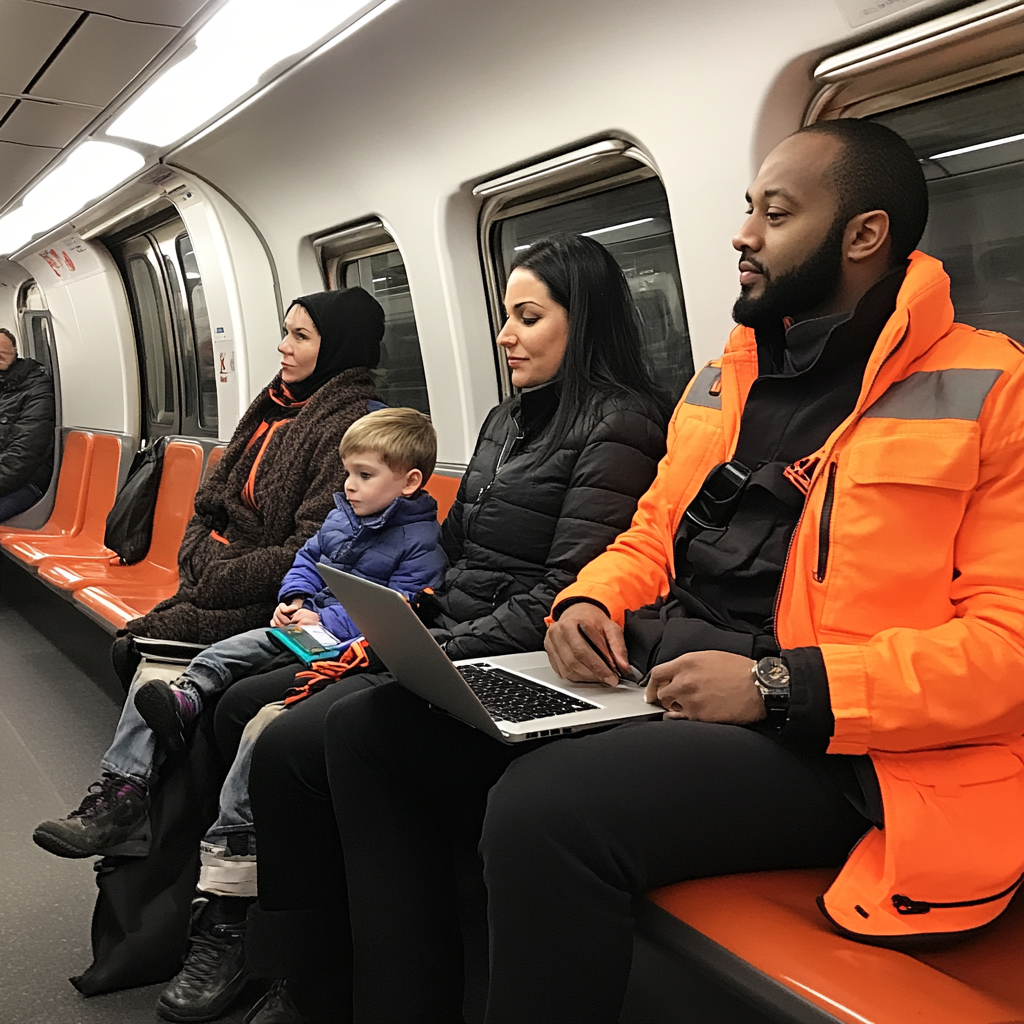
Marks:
<point>130,522</point>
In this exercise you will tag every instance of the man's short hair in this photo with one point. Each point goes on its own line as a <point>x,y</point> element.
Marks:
<point>7,334</point>
<point>877,170</point>
<point>404,439</point>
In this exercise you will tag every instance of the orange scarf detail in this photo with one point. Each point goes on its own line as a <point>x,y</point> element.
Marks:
<point>323,673</point>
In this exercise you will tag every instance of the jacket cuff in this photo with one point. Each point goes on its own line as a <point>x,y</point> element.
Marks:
<point>560,606</point>
<point>810,724</point>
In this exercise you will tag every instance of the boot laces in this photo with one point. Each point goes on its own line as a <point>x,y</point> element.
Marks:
<point>101,796</point>
<point>206,951</point>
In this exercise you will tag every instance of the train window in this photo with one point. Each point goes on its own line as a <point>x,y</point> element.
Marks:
<point>627,212</point>
<point>366,256</point>
<point>972,151</point>
<point>202,335</point>
<point>172,327</point>
<point>36,326</point>
<point>31,297</point>
<point>158,373</point>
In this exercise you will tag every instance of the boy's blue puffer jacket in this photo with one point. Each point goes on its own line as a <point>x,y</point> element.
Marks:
<point>398,548</point>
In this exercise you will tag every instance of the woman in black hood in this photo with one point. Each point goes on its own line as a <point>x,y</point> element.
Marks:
<point>275,483</point>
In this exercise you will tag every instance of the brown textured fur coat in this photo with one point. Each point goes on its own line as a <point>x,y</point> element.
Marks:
<point>227,589</point>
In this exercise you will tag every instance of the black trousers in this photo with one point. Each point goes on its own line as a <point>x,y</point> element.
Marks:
<point>369,831</point>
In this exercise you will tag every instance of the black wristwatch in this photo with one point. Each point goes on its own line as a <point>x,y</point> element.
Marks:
<point>771,677</point>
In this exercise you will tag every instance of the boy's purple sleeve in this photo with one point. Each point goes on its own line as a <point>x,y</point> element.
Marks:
<point>303,579</point>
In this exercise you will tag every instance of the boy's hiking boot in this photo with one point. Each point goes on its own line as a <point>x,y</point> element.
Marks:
<point>168,710</point>
<point>213,976</point>
<point>111,821</point>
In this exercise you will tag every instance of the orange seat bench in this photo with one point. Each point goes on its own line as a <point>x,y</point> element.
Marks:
<point>762,936</point>
<point>99,496</point>
<point>443,490</point>
<point>72,485</point>
<point>183,463</point>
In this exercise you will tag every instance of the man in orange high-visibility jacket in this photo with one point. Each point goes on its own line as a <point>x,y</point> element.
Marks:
<point>831,557</point>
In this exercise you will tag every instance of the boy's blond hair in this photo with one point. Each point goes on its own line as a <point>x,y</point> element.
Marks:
<point>403,439</point>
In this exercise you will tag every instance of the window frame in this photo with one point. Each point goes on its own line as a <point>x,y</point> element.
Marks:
<point>597,167</point>
<point>949,54</point>
<point>355,241</point>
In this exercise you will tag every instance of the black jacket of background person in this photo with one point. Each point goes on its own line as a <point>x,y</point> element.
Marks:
<point>27,416</point>
<point>525,521</point>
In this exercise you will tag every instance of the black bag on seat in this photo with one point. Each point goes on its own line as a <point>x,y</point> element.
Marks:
<point>141,920</point>
<point>130,522</point>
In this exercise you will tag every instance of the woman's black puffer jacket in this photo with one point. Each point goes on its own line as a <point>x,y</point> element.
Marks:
<point>524,523</point>
<point>26,426</point>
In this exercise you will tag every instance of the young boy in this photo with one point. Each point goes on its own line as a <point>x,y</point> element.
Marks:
<point>384,529</point>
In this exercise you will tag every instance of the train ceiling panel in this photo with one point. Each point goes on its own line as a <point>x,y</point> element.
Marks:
<point>65,63</point>
<point>114,52</point>
<point>44,124</point>
<point>19,164</point>
<point>156,12</point>
<point>31,32</point>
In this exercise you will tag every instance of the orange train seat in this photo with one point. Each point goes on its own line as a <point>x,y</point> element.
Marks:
<point>443,490</point>
<point>72,484</point>
<point>183,463</point>
<point>117,603</point>
<point>213,460</point>
<point>99,497</point>
<point>762,935</point>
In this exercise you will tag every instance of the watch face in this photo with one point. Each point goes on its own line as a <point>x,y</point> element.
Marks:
<point>772,672</point>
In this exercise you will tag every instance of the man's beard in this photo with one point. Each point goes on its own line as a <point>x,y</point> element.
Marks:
<point>809,286</point>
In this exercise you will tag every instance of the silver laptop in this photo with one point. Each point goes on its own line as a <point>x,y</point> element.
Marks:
<point>512,697</point>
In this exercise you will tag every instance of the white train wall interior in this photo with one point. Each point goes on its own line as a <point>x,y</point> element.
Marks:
<point>412,146</point>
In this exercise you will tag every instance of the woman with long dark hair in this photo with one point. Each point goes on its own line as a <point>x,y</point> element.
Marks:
<point>556,474</point>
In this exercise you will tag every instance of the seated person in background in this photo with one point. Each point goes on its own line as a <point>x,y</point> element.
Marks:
<point>27,418</point>
<point>825,582</point>
<point>275,484</point>
<point>383,529</point>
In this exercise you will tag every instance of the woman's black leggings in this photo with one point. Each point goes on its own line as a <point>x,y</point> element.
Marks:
<point>569,831</point>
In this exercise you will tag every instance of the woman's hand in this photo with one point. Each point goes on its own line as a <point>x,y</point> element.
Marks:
<point>284,614</point>
<point>707,686</point>
<point>573,658</point>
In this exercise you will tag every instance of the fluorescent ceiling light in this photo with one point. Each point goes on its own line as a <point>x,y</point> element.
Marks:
<point>233,49</point>
<point>980,145</point>
<point>618,227</point>
<point>91,170</point>
<point>520,248</point>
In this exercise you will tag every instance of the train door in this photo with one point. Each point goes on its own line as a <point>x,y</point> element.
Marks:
<point>172,329</point>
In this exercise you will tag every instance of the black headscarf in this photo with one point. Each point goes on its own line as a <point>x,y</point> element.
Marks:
<point>351,325</point>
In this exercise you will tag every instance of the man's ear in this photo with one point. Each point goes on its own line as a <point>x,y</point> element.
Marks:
<point>413,482</point>
<point>867,235</point>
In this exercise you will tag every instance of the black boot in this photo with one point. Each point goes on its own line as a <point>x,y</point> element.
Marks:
<point>112,820</point>
<point>125,658</point>
<point>213,976</point>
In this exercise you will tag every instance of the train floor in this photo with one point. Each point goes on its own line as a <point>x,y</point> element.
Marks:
<point>59,703</point>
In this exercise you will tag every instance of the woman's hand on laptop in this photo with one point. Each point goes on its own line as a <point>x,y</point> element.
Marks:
<point>573,658</point>
<point>707,686</point>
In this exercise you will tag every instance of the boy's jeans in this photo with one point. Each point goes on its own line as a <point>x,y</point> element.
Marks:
<point>133,753</point>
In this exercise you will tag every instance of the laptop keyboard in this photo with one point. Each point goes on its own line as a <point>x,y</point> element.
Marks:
<point>511,698</point>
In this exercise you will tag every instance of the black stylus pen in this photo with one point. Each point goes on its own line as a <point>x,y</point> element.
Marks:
<point>633,677</point>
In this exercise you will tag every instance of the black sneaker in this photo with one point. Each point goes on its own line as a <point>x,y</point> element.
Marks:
<point>113,820</point>
<point>168,713</point>
<point>213,976</point>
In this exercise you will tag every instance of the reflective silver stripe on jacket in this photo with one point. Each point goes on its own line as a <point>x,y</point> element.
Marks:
<point>954,394</point>
<point>700,393</point>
